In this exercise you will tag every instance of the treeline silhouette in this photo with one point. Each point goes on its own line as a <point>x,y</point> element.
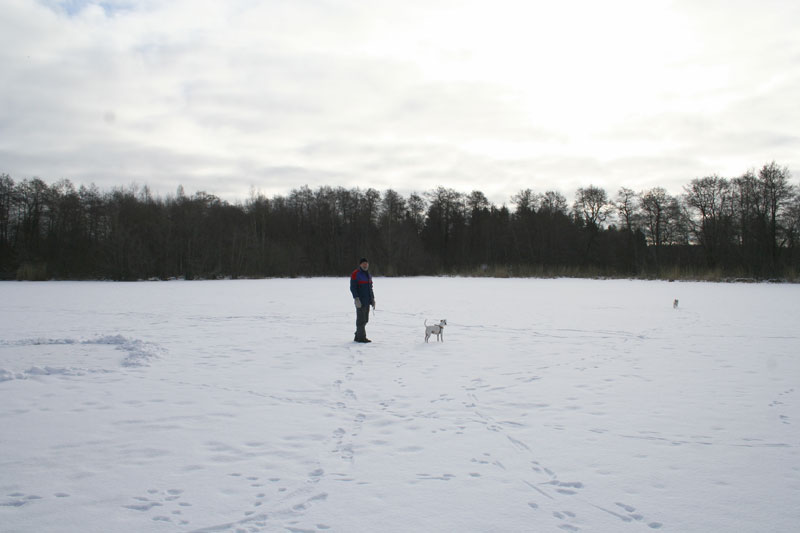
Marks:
<point>717,228</point>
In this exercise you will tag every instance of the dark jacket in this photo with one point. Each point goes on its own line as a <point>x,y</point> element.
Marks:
<point>361,286</point>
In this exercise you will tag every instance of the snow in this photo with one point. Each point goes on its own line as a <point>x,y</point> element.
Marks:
<point>551,405</point>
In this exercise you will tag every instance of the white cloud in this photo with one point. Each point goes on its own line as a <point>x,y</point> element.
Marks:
<point>471,95</point>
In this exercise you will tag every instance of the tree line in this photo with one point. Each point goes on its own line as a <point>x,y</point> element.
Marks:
<point>716,228</point>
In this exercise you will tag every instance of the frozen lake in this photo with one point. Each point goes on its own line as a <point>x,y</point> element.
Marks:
<point>552,405</point>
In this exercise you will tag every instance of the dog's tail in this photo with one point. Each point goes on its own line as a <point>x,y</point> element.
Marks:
<point>426,322</point>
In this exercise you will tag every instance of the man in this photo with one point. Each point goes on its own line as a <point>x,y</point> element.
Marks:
<point>363,297</point>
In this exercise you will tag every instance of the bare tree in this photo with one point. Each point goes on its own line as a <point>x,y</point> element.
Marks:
<point>776,192</point>
<point>392,217</point>
<point>446,214</point>
<point>591,206</point>
<point>626,207</point>
<point>476,201</point>
<point>676,230</point>
<point>524,201</point>
<point>552,202</point>
<point>792,218</point>
<point>6,196</point>
<point>654,204</point>
<point>711,198</point>
<point>416,210</point>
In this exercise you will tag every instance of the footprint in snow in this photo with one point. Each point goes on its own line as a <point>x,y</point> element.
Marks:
<point>161,500</point>
<point>630,515</point>
<point>19,499</point>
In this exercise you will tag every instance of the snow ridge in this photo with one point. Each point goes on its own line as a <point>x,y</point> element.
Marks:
<point>138,353</point>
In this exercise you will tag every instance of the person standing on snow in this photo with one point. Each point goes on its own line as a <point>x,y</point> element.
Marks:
<point>363,297</point>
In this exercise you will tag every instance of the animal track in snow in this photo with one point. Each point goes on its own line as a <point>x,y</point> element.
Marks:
<point>778,403</point>
<point>19,499</point>
<point>486,459</point>
<point>566,516</point>
<point>629,514</point>
<point>565,487</point>
<point>161,500</point>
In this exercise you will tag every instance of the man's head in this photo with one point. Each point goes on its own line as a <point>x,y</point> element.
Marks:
<point>363,263</point>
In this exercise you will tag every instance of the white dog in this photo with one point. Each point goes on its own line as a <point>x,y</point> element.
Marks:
<point>436,329</point>
<point>675,303</point>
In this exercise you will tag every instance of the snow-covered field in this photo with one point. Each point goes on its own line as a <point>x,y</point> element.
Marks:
<point>552,405</point>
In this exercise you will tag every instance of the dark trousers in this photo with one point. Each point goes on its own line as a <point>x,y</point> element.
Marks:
<point>362,317</point>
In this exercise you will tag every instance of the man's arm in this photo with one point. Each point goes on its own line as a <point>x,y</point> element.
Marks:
<point>354,284</point>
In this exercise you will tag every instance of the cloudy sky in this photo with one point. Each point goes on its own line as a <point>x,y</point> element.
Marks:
<point>497,96</point>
